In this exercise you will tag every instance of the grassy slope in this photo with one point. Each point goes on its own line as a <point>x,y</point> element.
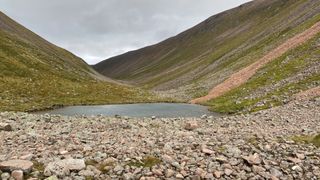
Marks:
<point>244,98</point>
<point>231,39</point>
<point>35,74</point>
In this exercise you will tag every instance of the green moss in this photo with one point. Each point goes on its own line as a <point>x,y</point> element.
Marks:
<point>302,139</point>
<point>148,161</point>
<point>221,149</point>
<point>37,166</point>
<point>100,166</point>
<point>307,139</point>
<point>91,162</point>
<point>253,140</point>
<point>316,140</point>
<point>89,178</point>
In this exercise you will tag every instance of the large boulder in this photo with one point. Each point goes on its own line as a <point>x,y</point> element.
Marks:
<point>11,165</point>
<point>63,167</point>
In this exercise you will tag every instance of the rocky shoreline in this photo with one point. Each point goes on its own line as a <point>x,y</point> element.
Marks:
<point>262,145</point>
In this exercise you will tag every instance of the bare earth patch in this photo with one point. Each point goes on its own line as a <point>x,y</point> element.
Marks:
<point>308,94</point>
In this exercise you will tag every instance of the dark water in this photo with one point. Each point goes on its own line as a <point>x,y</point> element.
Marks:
<point>165,110</point>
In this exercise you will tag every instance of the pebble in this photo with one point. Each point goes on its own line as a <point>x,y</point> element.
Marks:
<point>191,125</point>
<point>17,174</point>
<point>5,176</point>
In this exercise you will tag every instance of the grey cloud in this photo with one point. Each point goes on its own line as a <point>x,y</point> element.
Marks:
<point>98,29</point>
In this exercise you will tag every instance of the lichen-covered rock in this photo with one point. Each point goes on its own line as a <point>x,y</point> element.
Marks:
<point>63,167</point>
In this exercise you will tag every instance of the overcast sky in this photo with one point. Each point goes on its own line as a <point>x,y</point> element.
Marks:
<point>99,29</point>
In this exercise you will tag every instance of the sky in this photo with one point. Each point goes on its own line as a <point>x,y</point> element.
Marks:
<point>99,29</point>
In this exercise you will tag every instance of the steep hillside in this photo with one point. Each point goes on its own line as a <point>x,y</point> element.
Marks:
<point>190,64</point>
<point>36,74</point>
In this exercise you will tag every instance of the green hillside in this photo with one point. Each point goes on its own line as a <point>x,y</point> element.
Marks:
<point>188,65</point>
<point>35,74</point>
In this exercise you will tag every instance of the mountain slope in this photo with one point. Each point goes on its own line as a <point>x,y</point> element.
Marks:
<point>36,74</point>
<point>242,76</point>
<point>190,64</point>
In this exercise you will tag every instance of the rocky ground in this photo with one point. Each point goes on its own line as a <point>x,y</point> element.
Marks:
<point>263,145</point>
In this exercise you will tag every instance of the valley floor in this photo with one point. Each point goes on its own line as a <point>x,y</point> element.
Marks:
<point>263,145</point>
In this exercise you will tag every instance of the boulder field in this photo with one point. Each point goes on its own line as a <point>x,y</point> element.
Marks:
<point>274,144</point>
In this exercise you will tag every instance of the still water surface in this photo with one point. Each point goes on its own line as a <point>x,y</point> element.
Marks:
<point>164,110</point>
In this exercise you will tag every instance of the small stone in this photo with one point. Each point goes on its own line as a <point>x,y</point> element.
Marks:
<point>52,178</point>
<point>179,176</point>
<point>147,178</point>
<point>157,172</point>
<point>297,168</point>
<point>209,176</point>
<point>207,151</point>
<point>5,176</point>
<point>176,165</point>
<point>201,172</point>
<point>169,173</point>
<point>257,169</point>
<point>128,176</point>
<point>118,169</point>
<point>27,157</point>
<point>153,117</point>
<point>17,174</point>
<point>110,160</point>
<point>12,165</point>
<point>191,125</point>
<point>107,168</point>
<point>86,173</point>
<point>268,147</point>
<point>87,148</point>
<point>63,152</point>
<point>5,127</point>
<point>275,172</point>
<point>204,116</point>
<point>217,174</point>
<point>228,172</point>
<point>301,156</point>
<point>253,159</point>
<point>167,159</point>
<point>294,160</point>
<point>35,174</point>
<point>221,159</point>
<point>94,170</point>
